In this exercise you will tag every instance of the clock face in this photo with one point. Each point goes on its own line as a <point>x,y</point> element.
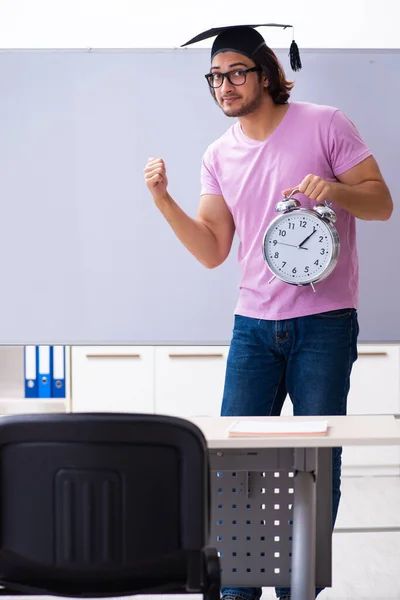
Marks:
<point>300,247</point>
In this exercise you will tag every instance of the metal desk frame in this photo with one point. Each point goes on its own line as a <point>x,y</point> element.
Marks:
<point>306,456</point>
<point>258,529</point>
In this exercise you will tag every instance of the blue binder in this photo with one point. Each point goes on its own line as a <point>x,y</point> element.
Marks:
<point>30,372</point>
<point>58,377</point>
<point>44,371</point>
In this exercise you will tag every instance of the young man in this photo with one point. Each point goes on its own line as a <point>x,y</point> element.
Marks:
<point>286,339</point>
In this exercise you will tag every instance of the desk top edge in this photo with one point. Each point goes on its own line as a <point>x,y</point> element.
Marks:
<point>349,430</point>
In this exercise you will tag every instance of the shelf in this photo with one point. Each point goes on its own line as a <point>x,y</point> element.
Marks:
<point>13,405</point>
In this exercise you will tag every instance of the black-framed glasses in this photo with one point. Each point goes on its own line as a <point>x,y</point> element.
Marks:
<point>236,77</point>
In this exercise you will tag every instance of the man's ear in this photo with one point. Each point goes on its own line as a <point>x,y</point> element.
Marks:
<point>265,82</point>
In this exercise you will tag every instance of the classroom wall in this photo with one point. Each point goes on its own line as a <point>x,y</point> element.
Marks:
<point>97,24</point>
<point>161,24</point>
<point>87,257</point>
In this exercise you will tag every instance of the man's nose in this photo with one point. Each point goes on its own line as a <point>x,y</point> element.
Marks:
<point>226,85</point>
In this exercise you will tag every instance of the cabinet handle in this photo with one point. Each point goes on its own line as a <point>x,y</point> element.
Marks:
<point>372,354</point>
<point>196,355</point>
<point>112,355</point>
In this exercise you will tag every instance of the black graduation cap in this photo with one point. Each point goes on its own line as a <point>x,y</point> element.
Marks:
<point>243,39</point>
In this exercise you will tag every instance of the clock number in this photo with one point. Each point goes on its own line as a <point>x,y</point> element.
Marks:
<point>274,242</point>
<point>291,225</point>
<point>322,251</point>
<point>276,255</point>
<point>306,269</point>
<point>317,262</point>
<point>294,270</point>
<point>303,223</point>
<point>282,232</point>
<point>283,263</point>
<point>321,239</point>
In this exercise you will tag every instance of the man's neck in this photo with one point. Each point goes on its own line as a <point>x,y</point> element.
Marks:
<point>260,124</point>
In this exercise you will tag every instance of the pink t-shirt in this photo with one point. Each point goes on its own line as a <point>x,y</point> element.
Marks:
<point>250,175</point>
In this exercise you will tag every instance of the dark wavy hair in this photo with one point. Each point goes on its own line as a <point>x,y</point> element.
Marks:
<point>279,87</point>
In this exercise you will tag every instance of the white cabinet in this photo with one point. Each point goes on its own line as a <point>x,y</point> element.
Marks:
<point>189,380</point>
<point>374,389</point>
<point>113,379</point>
<point>375,381</point>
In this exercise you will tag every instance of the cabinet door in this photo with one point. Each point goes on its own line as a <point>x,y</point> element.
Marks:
<point>189,380</point>
<point>112,379</point>
<point>374,389</point>
<point>375,381</point>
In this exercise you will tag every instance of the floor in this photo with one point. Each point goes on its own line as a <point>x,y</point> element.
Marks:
<point>365,565</point>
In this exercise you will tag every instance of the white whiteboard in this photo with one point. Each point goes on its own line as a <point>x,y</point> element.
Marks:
<point>86,258</point>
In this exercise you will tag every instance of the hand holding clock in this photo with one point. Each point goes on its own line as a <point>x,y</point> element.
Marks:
<point>299,268</point>
<point>312,186</point>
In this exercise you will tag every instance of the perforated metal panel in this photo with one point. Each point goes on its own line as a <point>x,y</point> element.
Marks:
<point>254,525</point>
<point>252,518</point>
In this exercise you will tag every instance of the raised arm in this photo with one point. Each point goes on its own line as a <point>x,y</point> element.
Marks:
<point>208,237</point>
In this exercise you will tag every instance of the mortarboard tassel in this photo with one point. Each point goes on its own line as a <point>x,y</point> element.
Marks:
<point>294,54</point>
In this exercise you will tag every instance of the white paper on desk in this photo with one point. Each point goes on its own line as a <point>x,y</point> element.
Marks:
<point>280,427</point>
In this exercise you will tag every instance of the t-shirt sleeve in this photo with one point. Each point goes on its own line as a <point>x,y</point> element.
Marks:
<point>346,146</point>
<point>209,182</point>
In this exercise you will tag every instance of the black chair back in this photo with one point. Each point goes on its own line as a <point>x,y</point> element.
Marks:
<point>104,505</point>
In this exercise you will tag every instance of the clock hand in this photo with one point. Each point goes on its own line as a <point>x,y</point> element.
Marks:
<point>307,238</point>
<point>292,245</point>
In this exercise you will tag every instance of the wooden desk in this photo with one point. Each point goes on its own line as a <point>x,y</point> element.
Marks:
<point>254,453</point>
<point>351,430</point>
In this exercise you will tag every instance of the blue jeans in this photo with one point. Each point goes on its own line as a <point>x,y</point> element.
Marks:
<point>310,358</point>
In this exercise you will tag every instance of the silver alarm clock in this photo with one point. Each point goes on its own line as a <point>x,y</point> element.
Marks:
<point>301,246</point>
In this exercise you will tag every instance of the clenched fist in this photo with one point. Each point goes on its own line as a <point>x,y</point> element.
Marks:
<point>155,175</point>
